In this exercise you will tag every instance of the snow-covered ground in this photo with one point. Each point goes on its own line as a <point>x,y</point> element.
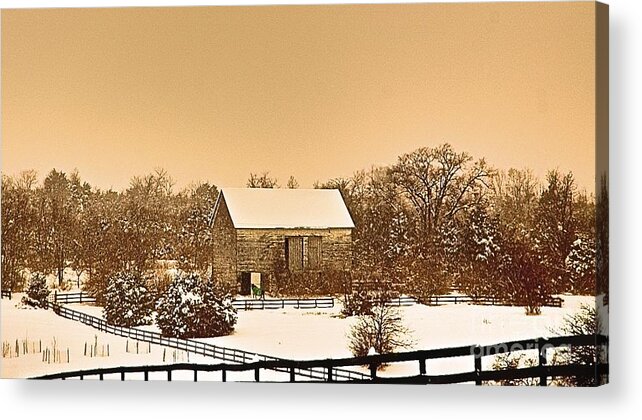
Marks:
<point>319,333</point>
<point>41,328</point>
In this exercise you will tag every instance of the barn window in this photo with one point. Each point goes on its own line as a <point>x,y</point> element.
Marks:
<point>314,252</point>
<point>294,253</point>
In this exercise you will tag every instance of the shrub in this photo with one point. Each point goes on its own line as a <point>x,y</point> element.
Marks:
<point>371,290</point>
<point>193,307</point>
<point>382,330</point>
<point>37,292</point>
<point>583,322</point>
<point>129,302</point>
<point>508,361</point>
<point>357,303</point>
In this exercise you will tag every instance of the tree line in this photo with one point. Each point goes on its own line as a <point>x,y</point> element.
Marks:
<point>438,219</point>
<point>434,219</point>
<point>65,223</point>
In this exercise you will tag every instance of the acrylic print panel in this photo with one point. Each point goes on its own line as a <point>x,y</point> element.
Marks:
<point>409,193</point>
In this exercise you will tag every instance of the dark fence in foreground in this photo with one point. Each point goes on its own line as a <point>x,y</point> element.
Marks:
<point>197,347</point>
<point>456,299</point>
<point>332,366</point>
<point>239,304</point>
<point>6,293</point>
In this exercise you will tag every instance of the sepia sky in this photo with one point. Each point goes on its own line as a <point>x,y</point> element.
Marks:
<point>311,91</point>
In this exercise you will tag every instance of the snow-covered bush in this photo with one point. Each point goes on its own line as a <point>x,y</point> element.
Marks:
<point>382,330</point>
<point>37,292</point>
<point>128,300</point>
<point>192,307</point>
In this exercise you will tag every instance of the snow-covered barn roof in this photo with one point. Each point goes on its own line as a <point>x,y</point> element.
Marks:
<point>268,208</point>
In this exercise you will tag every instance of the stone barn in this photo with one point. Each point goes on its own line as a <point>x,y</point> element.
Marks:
<point>258,229</point>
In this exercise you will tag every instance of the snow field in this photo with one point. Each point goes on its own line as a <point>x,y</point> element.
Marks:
<point>293,334</point>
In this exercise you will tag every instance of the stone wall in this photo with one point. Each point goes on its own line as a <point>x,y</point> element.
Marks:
<point>258,249</point>
<point>224,261</point>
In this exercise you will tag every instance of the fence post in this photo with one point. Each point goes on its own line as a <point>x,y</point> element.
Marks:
<point>292,374</point>
<point>329,373</point>
<point>80,299</point>
<point>256,374</point>
<point>195,375</point>
<point>478,364</point>
<point>122,375</point>
<point>146,375</point>
<point>224,375</point>
<point>422,366</point>
<point>541,349</point>
<point>373,371</point>
<point>169,375</point>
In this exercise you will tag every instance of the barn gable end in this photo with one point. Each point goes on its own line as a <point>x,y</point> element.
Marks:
<point>224,235</point>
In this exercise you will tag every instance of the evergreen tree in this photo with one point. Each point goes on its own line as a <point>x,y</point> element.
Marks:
<point>128,300</point>
<point>38,292</point>
<point>193,307</point>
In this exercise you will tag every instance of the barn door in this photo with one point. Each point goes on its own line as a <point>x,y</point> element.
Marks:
<point>246,283</point>
<point>314,253</point>
<point>294,250</point>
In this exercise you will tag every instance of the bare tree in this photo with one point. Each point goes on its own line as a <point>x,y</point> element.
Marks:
<point>382,330</point>
<point>262,181</point>
<point>439,183</point>
<point>515,195</point>
<point>57,218</point>
<point>292,183</point>
<point>194,228</point>
<point>18,219</point>
<point>555,227</point>
<point>146,223</point>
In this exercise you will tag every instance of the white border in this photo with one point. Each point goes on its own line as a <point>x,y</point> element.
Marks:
<point>143,400</point>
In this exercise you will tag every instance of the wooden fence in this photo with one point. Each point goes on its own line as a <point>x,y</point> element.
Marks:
<point>197,347</point>
<point>76,297</point>
<point>332,367</point>
<point>328,302</point>
<point>6,293</point>
<point>457,299</point>
<point>309,303</point>
<point>239,304</point>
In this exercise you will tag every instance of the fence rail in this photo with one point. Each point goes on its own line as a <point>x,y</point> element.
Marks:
<point>332,366</point>
<point>457,299</point>
<point>328,302</point>
<point>197,347</point>
<point>75,297</point>
<point>6,293</point>
<point>239,304</point>
<point>309,303</point>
